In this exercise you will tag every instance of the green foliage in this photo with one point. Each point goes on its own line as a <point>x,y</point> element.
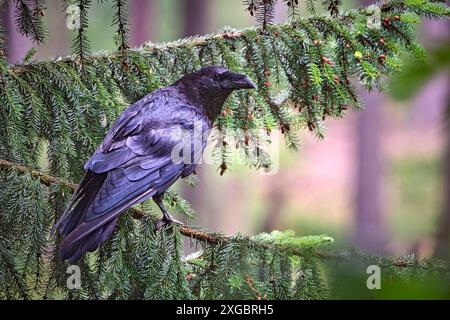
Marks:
<point>63,108</point>
<point>401,278</point>
<point>414,75</point>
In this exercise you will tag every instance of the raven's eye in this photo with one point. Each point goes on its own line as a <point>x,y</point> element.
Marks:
<point>217,77</point>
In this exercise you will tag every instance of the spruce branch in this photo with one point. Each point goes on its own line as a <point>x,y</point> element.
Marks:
<point>120,20</point>
<point>265,11</point>
<point>316,60</point>
<point>46,179</point>
<point>332,6</point>
<point>136,213</point>
<point>28,18</point>
<point>149,48</point>
<point>310,6</point>
<point>292,6</point>
<point>81,44</point>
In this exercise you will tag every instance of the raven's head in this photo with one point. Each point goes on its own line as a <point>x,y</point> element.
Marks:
<point>210,86</point>
<point>215,81</point>
<point>220,78</point>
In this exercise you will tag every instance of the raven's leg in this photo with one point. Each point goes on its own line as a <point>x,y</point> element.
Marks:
<point>167,218</point>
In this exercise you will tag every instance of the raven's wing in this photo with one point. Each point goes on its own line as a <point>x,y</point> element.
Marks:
<point>133,163</point>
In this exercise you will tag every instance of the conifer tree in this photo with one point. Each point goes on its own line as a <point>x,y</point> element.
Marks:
<point>305,70</point>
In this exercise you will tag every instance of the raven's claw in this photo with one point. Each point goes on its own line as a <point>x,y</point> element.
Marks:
<point>166,220</point>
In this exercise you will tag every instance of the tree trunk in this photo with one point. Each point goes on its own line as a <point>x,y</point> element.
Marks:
<point>195,20</point>
<point>437,32</point>
<point>443,236</point>
<point>369,232</point>
<point>275,200</point>
<point>141,21</point>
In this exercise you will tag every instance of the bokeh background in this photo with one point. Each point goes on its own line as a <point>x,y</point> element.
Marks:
<point>380,178</point>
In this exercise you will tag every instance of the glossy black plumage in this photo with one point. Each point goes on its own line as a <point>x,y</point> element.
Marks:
<point>134,161</point>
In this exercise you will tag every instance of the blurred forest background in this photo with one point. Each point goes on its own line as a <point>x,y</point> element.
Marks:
<point>379,180</point>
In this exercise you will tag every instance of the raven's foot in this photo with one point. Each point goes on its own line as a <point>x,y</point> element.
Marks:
<point>166,219</point>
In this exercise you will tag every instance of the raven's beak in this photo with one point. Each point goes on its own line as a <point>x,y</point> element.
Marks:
<point>237,81</point>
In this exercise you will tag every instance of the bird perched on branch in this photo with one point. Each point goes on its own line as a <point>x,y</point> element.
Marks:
<point>136,160</point>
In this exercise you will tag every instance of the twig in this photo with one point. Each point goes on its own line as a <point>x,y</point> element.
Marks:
<point>46,179</point>
<point>147,47</point>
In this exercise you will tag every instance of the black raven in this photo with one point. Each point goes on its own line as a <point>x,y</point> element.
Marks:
<point>135,161</point>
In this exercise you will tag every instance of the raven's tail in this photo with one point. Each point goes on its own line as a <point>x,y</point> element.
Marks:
<point>74,215</point>
<point>73,251</point>
<point>83,229</point>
